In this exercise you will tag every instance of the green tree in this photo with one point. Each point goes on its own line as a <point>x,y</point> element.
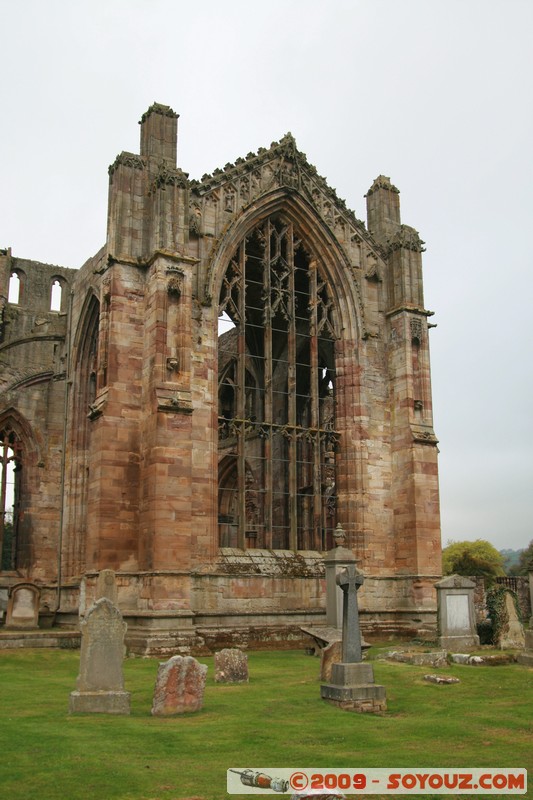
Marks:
<point>525,561</point>
<point>472,558</point>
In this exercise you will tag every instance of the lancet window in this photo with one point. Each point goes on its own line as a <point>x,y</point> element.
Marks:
<point>10,473</point>
<point>277,435</point>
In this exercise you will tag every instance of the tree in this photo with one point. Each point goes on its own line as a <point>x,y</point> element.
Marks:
<point>525,561</point>
<point>472,558</point>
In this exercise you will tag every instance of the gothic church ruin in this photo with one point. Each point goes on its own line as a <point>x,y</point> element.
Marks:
<point>242,367</point>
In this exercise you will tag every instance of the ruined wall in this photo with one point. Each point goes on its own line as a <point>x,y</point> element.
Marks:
<point>139,389</point>
<point>32,400</point>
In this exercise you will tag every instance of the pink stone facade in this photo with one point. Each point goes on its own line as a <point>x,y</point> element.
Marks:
<point>114,404</point>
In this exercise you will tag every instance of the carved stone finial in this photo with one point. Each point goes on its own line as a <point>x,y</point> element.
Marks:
<point>339,536</point>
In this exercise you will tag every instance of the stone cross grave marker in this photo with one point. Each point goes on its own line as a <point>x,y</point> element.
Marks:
<point>350,580</point>
<point>351,684</point>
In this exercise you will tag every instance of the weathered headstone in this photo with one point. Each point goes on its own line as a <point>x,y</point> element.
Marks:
<point>231,666</point>
<point>106,586</point>
<point>179,686</point>
<point>23,606</point>
<point>511,632</point>
<point>100,686</point>
<point>352,686</point>
<point>456,616</point>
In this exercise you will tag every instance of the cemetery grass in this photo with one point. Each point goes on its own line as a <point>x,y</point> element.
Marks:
<point>277,720</point>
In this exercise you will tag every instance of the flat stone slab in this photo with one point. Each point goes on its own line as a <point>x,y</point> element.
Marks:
<point>435,659</point>
<point>99,703</point>
<point>443,679</point>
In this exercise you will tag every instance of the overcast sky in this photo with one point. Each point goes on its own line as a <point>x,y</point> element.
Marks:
<point>435,94</point>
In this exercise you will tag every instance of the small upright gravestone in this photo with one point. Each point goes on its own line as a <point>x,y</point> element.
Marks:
<point>456,617</point>
<point>106,586</point>
<point>179,686</point>
<point>352,686</point>
<point>231,666</point>
<point>101,682</point>
<point>23,606</point>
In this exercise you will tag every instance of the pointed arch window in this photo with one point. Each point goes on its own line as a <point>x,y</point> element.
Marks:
<point>10,482</point>
<point>276,394</point>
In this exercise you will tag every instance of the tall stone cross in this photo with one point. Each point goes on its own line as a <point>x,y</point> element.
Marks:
<point>350,580</point>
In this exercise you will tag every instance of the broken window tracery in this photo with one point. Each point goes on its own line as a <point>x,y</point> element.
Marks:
<point>276,395</point>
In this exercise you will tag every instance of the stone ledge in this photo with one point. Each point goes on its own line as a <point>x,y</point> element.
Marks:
<point>99,702</point>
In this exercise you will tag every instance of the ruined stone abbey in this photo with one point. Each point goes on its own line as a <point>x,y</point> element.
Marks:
<point>242,367</point>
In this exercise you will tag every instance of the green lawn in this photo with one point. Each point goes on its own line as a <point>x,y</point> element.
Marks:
<point>277,720</point>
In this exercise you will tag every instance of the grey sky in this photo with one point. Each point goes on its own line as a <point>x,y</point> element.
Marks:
<point>436,94</point>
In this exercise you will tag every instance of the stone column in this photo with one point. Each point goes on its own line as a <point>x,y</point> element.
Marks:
<point>335,561</point>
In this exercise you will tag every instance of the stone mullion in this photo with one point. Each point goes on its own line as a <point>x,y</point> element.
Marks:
<point>291,400</point>
<point>268,401</point>
<point>315,409</point>
<point>241,403</point>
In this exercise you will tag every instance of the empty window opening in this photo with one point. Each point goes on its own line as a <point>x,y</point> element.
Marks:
<point>14,289</point>
<point>55,298</point>
<point>10,471</point>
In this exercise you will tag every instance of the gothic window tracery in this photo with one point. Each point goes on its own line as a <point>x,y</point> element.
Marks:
<point>276,394</point>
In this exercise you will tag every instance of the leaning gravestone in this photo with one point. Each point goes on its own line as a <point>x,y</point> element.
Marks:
<point>101,682</point>
<point>179,686</point>
<point>231,666</point>
<point>352,686</point>
<point>511,632</point>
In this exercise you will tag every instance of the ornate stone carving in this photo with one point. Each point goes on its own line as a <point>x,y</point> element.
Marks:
<point>168,177</point>
<point>417,329</point>
<point>175,284</point>
<point>127,160</point>
<point>407,238</point>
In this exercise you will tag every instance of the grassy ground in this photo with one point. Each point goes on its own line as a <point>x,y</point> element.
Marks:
<point>277,720</point>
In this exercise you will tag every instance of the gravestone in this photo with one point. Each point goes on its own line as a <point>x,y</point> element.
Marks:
<point>456,615</point>
<point>23,606</point>
<point>179,686</point>
<point>352,686</point>
<point>511,632</point>
<point>106,586</point>
<point>100,685</point>
<point>231,666</point>
<point>526,656</point>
